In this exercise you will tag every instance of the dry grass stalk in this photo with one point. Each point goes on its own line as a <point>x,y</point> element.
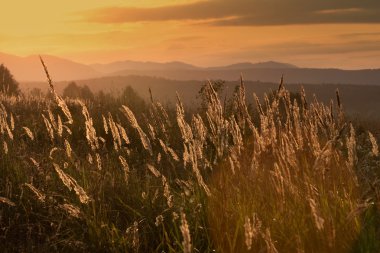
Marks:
<point>159,220</point>
<point>105,125</point>
<point>41,197</point>
<point>71,210</point>
<point>154,171</point>
<point>29,133</point>
<point>132,234</point>
<point>68,149</point>
<point>125,168</point>
<point>91,137</point>
<point>72,184</point>
<point>186,243</point>
<point>132,120</point>
<point>375,147</point>
<point>115,132</point>
<point>251,230</point>
<point>7,201</point>
<point>61,103</point>
<point>318,220</point>
<point>271,248</point>
<point>90,159</point>
<point>52,151</point>
<point>5,147</point>
<point>123,133</point>
<point>351,148</point>
<point>49,127</point>
<point>167,194</point>
<point>98,161</point>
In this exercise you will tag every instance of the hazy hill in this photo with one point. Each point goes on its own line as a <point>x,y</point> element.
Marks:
<point>292,75</point>
<point>360,100</point>
<point>138,66</point>
<point>259,65</point>
<point>30,69</point>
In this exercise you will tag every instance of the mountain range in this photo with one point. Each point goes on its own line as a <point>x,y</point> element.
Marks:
<point>29,69</point>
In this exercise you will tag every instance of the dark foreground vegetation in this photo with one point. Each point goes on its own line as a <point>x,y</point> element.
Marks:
<point>287,174</point>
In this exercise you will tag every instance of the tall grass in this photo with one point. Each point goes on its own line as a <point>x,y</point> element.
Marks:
<point>290,175</point>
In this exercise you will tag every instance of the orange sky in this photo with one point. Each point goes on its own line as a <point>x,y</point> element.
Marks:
<point>313,33</point>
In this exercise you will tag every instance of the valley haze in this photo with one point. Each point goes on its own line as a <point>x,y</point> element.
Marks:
<point>29,69</point>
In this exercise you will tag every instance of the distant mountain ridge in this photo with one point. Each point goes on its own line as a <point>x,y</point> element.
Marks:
<point>29,69</point>
<point>136,65</point>
<point>259,65</point>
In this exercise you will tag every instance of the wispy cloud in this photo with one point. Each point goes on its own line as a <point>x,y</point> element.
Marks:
<point>247,12</point>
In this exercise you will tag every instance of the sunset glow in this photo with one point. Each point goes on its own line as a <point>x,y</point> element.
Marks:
<point>214,32</point>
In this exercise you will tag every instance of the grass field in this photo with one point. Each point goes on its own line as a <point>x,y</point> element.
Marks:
<point>288,174</point>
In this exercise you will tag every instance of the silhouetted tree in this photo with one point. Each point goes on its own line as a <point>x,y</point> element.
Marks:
<point>73,90</point>
<point>130,98</point>
<point>8,85</point>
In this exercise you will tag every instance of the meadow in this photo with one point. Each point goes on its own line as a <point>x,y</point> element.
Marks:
<point>286,174</point>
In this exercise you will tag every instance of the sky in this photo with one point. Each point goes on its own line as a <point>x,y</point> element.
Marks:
<point>310,33</point>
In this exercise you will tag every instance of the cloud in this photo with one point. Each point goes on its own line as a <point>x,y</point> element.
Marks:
<point>309,48</point>
<point>247,12</point>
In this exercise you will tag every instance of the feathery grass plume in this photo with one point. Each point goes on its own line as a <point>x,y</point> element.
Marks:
<point>258,104</point>
<point>185,129</point>
<point>41,197</point>
<point>12,121</point>
<point>159,220</point>
<point>105,125</point>
<point>194,162</point>
<point>318,220</point>
<point>132,233</point>
<point>271,248</point>
<point>241,107</point>
<point>71,210</point>
<point>167,194</point>
<point>90,159</point>
<point>303,99</point>
<point>297,125</point>
<point>72,184</point>
<point>10,134</point>
<point>375,147</point>
<point>52,151</point>
<point>7,201</point>
<point>35,163</point>
<point>236,134</point>
<point>68,149</point>
<point>251,230</point>
<point>49,127</point>
<point>151,132</point>
<point>185,231</point>
<point>115,132</point>
<point>28,133</point>
<point>98,161</point>
<point>91,137</point>
<point>59,126</point>
<point>351,148</point>
<point>68,130</point>
<point>123,133</point>
<point>61,103</point>
<point>5,147</point>
<point>52,119</point>
<point>175,216</point>
<point>169,150</point>
<point>154,171</point>
<point>199,128</point>
<point>125,168</point>
<point>132,120</point>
